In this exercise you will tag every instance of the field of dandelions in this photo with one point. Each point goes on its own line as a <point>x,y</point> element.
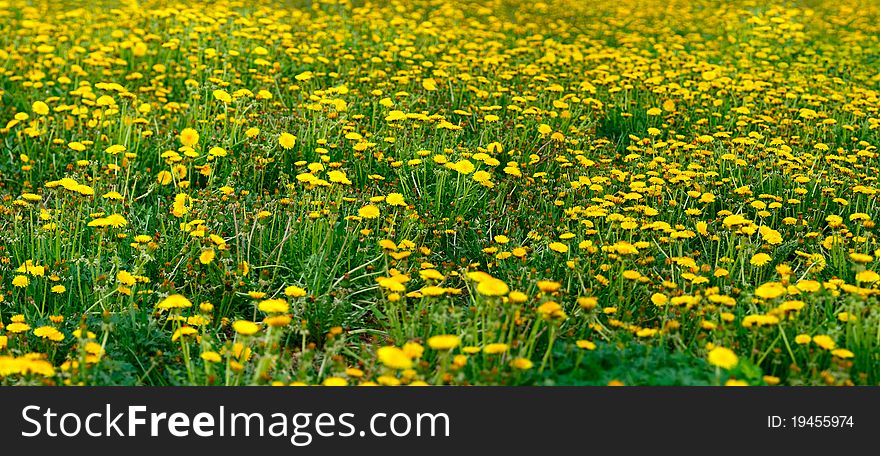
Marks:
<point>569,192</point>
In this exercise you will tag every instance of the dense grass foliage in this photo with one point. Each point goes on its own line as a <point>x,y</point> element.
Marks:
<point>432,192</point>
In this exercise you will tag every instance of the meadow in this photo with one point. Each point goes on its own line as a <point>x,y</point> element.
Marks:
<point>428,192</point>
